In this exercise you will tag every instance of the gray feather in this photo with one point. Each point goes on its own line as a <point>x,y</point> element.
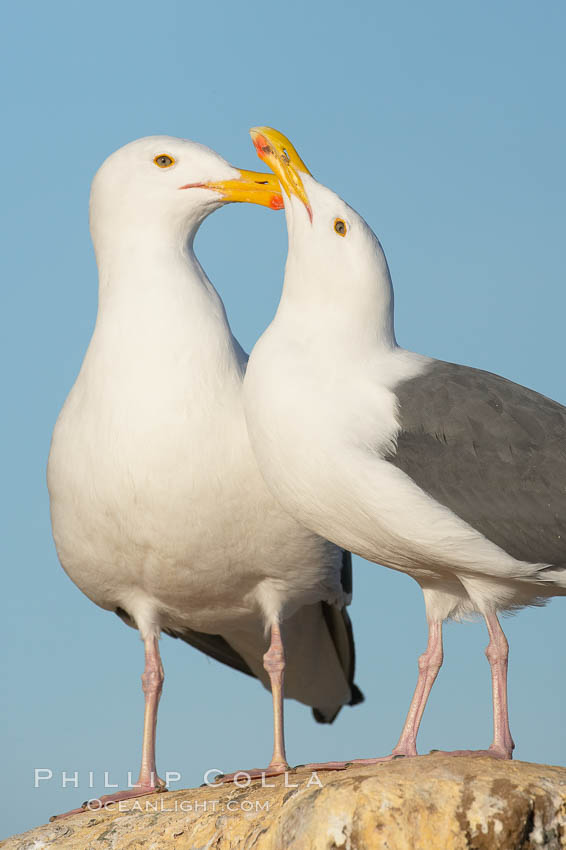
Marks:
<point>492,451</point>
<point>340,629</point>
<point>335,619</point>
<point>213,645</point>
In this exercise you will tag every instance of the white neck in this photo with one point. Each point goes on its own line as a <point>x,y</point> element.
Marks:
<point>156,303</point>
<point>346,314</point>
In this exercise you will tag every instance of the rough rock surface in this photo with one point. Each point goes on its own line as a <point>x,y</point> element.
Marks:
<point>435,802</point>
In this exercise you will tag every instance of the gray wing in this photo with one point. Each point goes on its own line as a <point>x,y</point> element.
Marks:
<point>213,645</point>
<point>341,632</point>
<point>339,627</point>
<point>336,620</point>
<point>493,452</point>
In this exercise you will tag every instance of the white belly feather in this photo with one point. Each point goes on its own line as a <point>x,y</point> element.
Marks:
<point>158,506</point>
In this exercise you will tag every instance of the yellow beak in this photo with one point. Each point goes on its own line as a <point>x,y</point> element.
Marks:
<point>279,154</point>
<point>250,187</point>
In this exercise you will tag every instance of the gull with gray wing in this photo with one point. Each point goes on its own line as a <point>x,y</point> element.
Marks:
<point>450,474</point>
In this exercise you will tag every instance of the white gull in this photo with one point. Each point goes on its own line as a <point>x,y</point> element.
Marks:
<point>450,474</point>
<point>159,512</point>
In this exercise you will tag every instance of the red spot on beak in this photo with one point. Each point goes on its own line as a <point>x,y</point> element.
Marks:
<point>262,146</point>
<point>276,202</point>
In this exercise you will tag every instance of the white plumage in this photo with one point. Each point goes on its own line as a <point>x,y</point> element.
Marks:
<point>159,511</point>
<point>332,406</point>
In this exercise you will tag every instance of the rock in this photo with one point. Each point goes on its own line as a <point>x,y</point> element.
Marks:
<point>429,803</point>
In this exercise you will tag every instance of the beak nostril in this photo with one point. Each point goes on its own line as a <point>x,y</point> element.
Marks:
<point>286,158</point>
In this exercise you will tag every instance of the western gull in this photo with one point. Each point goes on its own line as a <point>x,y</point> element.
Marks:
<point>159,511</point>
<point>453,475</point>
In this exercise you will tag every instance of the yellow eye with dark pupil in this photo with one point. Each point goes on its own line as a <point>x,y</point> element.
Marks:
<point>163,161</point>
<point>340,227</point>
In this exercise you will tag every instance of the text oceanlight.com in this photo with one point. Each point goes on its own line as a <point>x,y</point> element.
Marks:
<point>164,805</point>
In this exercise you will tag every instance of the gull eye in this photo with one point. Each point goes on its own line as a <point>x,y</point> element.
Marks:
<point>340,226</point>
<point>164,161</point>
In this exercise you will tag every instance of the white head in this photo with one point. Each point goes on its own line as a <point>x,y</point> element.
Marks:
<point>335,263</point>
<point>165,187</point>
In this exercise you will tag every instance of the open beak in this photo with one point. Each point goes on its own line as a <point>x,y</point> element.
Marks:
<point>250,187</point>
<point>279,154</point>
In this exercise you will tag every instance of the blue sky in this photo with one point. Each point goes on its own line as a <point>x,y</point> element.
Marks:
<point>443,124</point>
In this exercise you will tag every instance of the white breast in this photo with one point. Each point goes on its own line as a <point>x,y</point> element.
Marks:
<point>320,427</point>
<point>156,499</point>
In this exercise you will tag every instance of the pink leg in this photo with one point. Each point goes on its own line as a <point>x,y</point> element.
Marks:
<point>430,663</point>
<point>497,653</point>
<point>148,780</point>
<point>274,664</point>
